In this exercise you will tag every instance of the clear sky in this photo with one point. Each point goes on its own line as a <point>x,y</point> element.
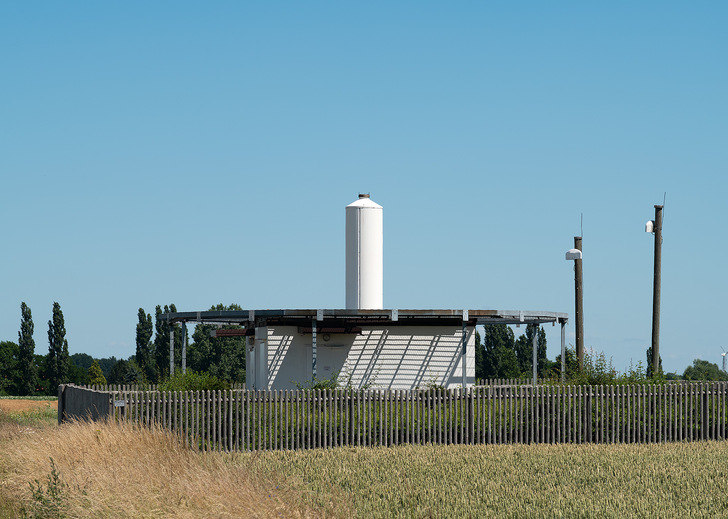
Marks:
<point>203,152</point>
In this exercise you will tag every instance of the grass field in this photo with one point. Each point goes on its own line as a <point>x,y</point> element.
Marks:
<point>105,470</point>
<point>678,480</point>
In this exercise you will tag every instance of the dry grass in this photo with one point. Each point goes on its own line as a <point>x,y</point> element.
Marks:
<point>119,471</point>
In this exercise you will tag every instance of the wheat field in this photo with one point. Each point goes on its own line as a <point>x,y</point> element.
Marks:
<point>110,470</point>
<point>676,480</point>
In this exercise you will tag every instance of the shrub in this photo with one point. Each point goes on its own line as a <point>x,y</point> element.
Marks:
<point>193,381</point>
<point>598,370</point>
<point>48,502</point>
<point>319,383</point>
<point>95,375</point>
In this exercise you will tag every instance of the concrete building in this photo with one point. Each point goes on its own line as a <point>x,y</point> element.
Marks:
<point>378,349</point>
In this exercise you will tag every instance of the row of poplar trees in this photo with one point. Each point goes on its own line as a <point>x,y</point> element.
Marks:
<point>23,373</point>
<point>222,357</point>
<point>501,355</point>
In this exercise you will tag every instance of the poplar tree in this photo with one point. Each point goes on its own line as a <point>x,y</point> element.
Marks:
<point>28,377</point>
<point>58,358</point>
<point>499,356</point>
<point>524,352</point>
<point>144,357</point>
<point>223,357</point>
<point>161,342</point>
<point>8,368</point>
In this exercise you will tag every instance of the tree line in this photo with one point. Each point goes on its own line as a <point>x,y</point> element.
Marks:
<point>498,354</point>
<point>23,372</point>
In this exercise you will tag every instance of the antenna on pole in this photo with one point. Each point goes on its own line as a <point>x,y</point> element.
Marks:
<point>723,355</point>
<point>582,225</point>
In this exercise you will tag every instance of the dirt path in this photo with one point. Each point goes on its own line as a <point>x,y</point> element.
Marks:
<point>24,405</point>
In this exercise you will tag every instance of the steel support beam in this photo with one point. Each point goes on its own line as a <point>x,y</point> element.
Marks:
<point>563,351</point>
<point>535,354</point>
<point>313,349</point>
<point>171,349</point>
<point>261,355</point>
<point>184,347</point>
<point>464,350</point>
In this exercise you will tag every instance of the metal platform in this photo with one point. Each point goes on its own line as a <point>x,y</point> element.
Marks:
<point>392,317</point>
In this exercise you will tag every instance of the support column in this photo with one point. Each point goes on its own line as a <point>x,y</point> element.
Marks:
<point>563,351</point>
<point>184,348</point>
<point>656,292</point>
<point>464,350</point>
<point>171,349</point>
<point>261,356</point>
<point>250,363</point>
<point>313,349</point>
<point>535,354</point>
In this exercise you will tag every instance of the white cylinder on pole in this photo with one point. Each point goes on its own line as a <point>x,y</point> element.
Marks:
<point>364,255</point>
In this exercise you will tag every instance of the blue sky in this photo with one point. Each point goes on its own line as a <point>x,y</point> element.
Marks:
<point>196,153</point>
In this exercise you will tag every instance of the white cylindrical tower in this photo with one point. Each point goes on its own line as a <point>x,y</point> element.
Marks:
<point>364,255</point>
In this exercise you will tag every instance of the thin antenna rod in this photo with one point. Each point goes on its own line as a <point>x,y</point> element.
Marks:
<point>582,225</point>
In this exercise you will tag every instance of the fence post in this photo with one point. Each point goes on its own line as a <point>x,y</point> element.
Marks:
<point>61,402</point>
<point>471,417</point>
<point>703,410</point>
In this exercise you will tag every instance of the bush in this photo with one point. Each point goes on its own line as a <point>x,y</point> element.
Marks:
<point>193,381</point>
<point>95,375</point>
<point>319,383</point>
<point>48,502</point>
<point>704,370</point>
<point>600,371</point>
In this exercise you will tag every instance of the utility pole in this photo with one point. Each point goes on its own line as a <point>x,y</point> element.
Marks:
<point>657,229</point>
<point>579,305</point>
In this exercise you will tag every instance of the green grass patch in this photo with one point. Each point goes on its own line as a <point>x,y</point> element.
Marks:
<point>673,480</point>
<point>38,417</point>
<point>34,397</point>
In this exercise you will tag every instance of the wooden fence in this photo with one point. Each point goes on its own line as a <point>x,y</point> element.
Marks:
<point>267,420</point>
<point>140,387</point>
<point>513,381</point>
<point>544,381</point>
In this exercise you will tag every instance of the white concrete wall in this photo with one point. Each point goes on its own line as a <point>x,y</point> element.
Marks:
<point>398,357</point>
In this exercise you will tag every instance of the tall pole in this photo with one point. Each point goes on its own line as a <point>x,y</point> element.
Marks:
<point>656,291</point>
<point>579,306</point>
